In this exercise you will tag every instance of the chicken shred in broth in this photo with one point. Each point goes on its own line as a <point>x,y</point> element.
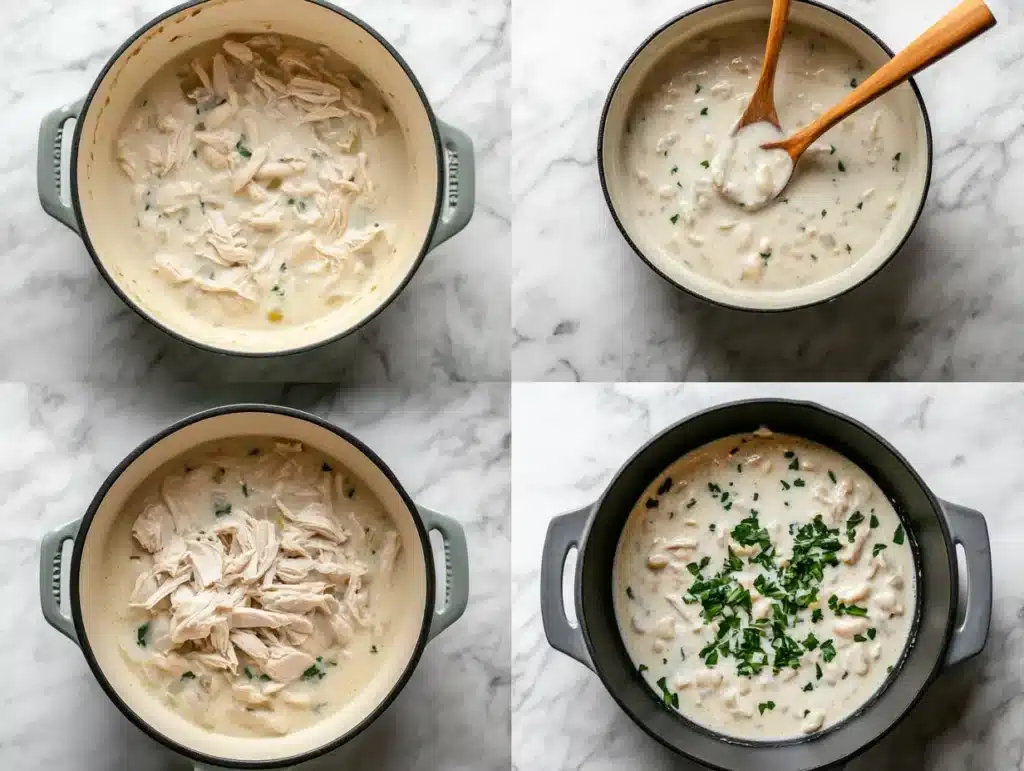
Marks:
<point>262,586</point>
<point>260,173</point>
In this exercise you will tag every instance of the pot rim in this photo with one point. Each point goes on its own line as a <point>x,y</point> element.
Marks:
<point>886,446</point>
<point>142,312</point>
<point>75,600</point>
<point>735,306</point>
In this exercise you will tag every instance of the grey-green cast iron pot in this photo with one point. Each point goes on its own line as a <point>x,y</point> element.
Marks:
<point>937,641</point>
<point>438,191</point>
<point>89,626</point>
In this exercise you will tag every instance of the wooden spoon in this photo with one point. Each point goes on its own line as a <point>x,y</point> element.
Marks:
<point>959,26</point>
<point>761,106</point>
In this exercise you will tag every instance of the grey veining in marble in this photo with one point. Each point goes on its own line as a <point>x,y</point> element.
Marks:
<point>585,307</point>
<point>448,445</point>
<point>63,323</point>
<point>966,441</point>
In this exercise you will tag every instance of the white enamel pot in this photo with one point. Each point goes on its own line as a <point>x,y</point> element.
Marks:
<point>89,626</point>
<point>439,186</point>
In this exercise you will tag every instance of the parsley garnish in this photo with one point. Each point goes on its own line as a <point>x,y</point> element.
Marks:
<point>879,547</point>
<point>140,635</point>
<point>765,705</point>
<point>671,699</point>
<point>674,219</point>
<point>897,537</point>
<point>705,164</point>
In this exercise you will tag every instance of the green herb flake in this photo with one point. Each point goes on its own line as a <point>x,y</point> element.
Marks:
<point>769,705</point>
<point>799,483</point>
<point>817,671</point>
<point>853,82</point>
<point>785,484</point>
<point>704,111</point>
<point>824,212</point>
<point>860,204</point>
<point>671,699</point>
<point>674,219</point>
<point>244,151</point>
<point>832,476</point>
<point>705,164</point>
<point>245,489</point>
<point>817,615</point>
<point>697,89</point>
<point>831,149</point>
<point>808,687</point>
<point>859,638</point>
<point>190,675</point>
<point>828,651</point>
<point>873,522</point>
<point>842,166</point>
<point>878,549</point>
<point>220,508</point>
<point>871,633</point>
<point>675,170</point>
<point>264,678</point>
<point>140,635</point>
<point>897,537</point>
<point>248,673</point>
<point>641,669</point>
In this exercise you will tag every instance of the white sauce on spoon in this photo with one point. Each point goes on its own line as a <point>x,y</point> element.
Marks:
<point>764,587</point>
<point>747,173</point>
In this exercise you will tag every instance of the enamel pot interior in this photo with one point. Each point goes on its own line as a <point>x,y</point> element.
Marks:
<point>937,586</point>
<point>630,84</point>
<point>93,604</point>
<point>101,194</point>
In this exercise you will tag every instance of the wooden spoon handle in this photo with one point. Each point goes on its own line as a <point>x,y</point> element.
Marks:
<point>959,26</point>
<point>762,101</point>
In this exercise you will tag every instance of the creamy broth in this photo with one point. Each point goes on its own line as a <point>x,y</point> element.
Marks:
<point>265,177</point>
<point>842,194</point>
<point>764,587</point>
<point>255,585</point>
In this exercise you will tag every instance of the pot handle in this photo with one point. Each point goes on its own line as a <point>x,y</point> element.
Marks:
<point>456,570</point>
<point>51,133</point>
<point>460,183</point>
<point>564,533</point>
<point>51,565</point>
<point>967,528</point>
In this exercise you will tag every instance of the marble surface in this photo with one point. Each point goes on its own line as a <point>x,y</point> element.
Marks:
<point>448,445</point>
<point>63,321</point>
<point>967,442</point>
<point>585,307</point>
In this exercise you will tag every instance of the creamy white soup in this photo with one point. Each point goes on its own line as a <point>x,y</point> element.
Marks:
<point>266,177</point>
<point>840,198</point>
<point>266,581</point>
<point>764,587</point>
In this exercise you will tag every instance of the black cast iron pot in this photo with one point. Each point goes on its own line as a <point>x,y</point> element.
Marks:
<point>937,641</point>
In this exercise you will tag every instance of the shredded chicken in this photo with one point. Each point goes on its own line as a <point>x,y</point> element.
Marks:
<point>251,582</point>
<point>238,155</point>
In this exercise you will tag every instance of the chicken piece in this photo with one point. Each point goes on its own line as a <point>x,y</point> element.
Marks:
<point>297,598</point>
<point>313,91</point>
<point>249,618</point>
<point>195,618</point>
<point>239,51</point>
<point>286,664</point>
<point>148,592</point>
<point>293,570</point>
<point>153,528</point>
<point>249,694</point>
<point>220,637</point>
<point>314,518</point>
<point>338,621</point>
<point>251,645</point>
<point>207,561</point>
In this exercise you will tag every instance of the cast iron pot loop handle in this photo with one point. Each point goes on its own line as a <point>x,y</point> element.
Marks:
<point>459,183</point>
<point>564,533</point>
<point>456,569</point>
<point>51,133</point>
<point>967,528</point>
<point>51,566</point>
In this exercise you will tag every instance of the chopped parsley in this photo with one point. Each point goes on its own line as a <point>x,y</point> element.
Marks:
<point>853,82</point>
<point>245,489</point>
<point>842,166</point>
<point>765,705</point>
<point>220,508</point>
<point>873,522</point>
<point>140,635</point>
<point>832,476</point>
<point>871,633</point>
<point>798,483</point>
<point>897,537</point>
<point>675,170</point>
<point>831,149</point>
<point>671,699</point>
<point>248,673</point>
<point>705,164</point>
<point>629,593</point>
<point>190,675</point>
<point>704,111</point>
<point>641,669</point>
<point>691,503</point>
<point>828,651</point>
<point>878,548</point>
<point>817,671</point>
<point>808,687</point>
<point>785,484</point>
<point>817,615</point>
<point>315,672</point>
<point>244,151</point>
<point>697,89</point>
<point>674,219</point>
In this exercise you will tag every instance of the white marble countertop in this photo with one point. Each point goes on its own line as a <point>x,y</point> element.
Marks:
<point>966,442</point>
<point>64,323</point>
<point>450,448</point>
<point>585,307</point>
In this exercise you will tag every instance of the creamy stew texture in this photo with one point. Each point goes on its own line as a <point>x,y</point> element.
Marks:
<point>266,581</point>
<point>842,194</point>
<point>764,587</point>
<point>266,176</point>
